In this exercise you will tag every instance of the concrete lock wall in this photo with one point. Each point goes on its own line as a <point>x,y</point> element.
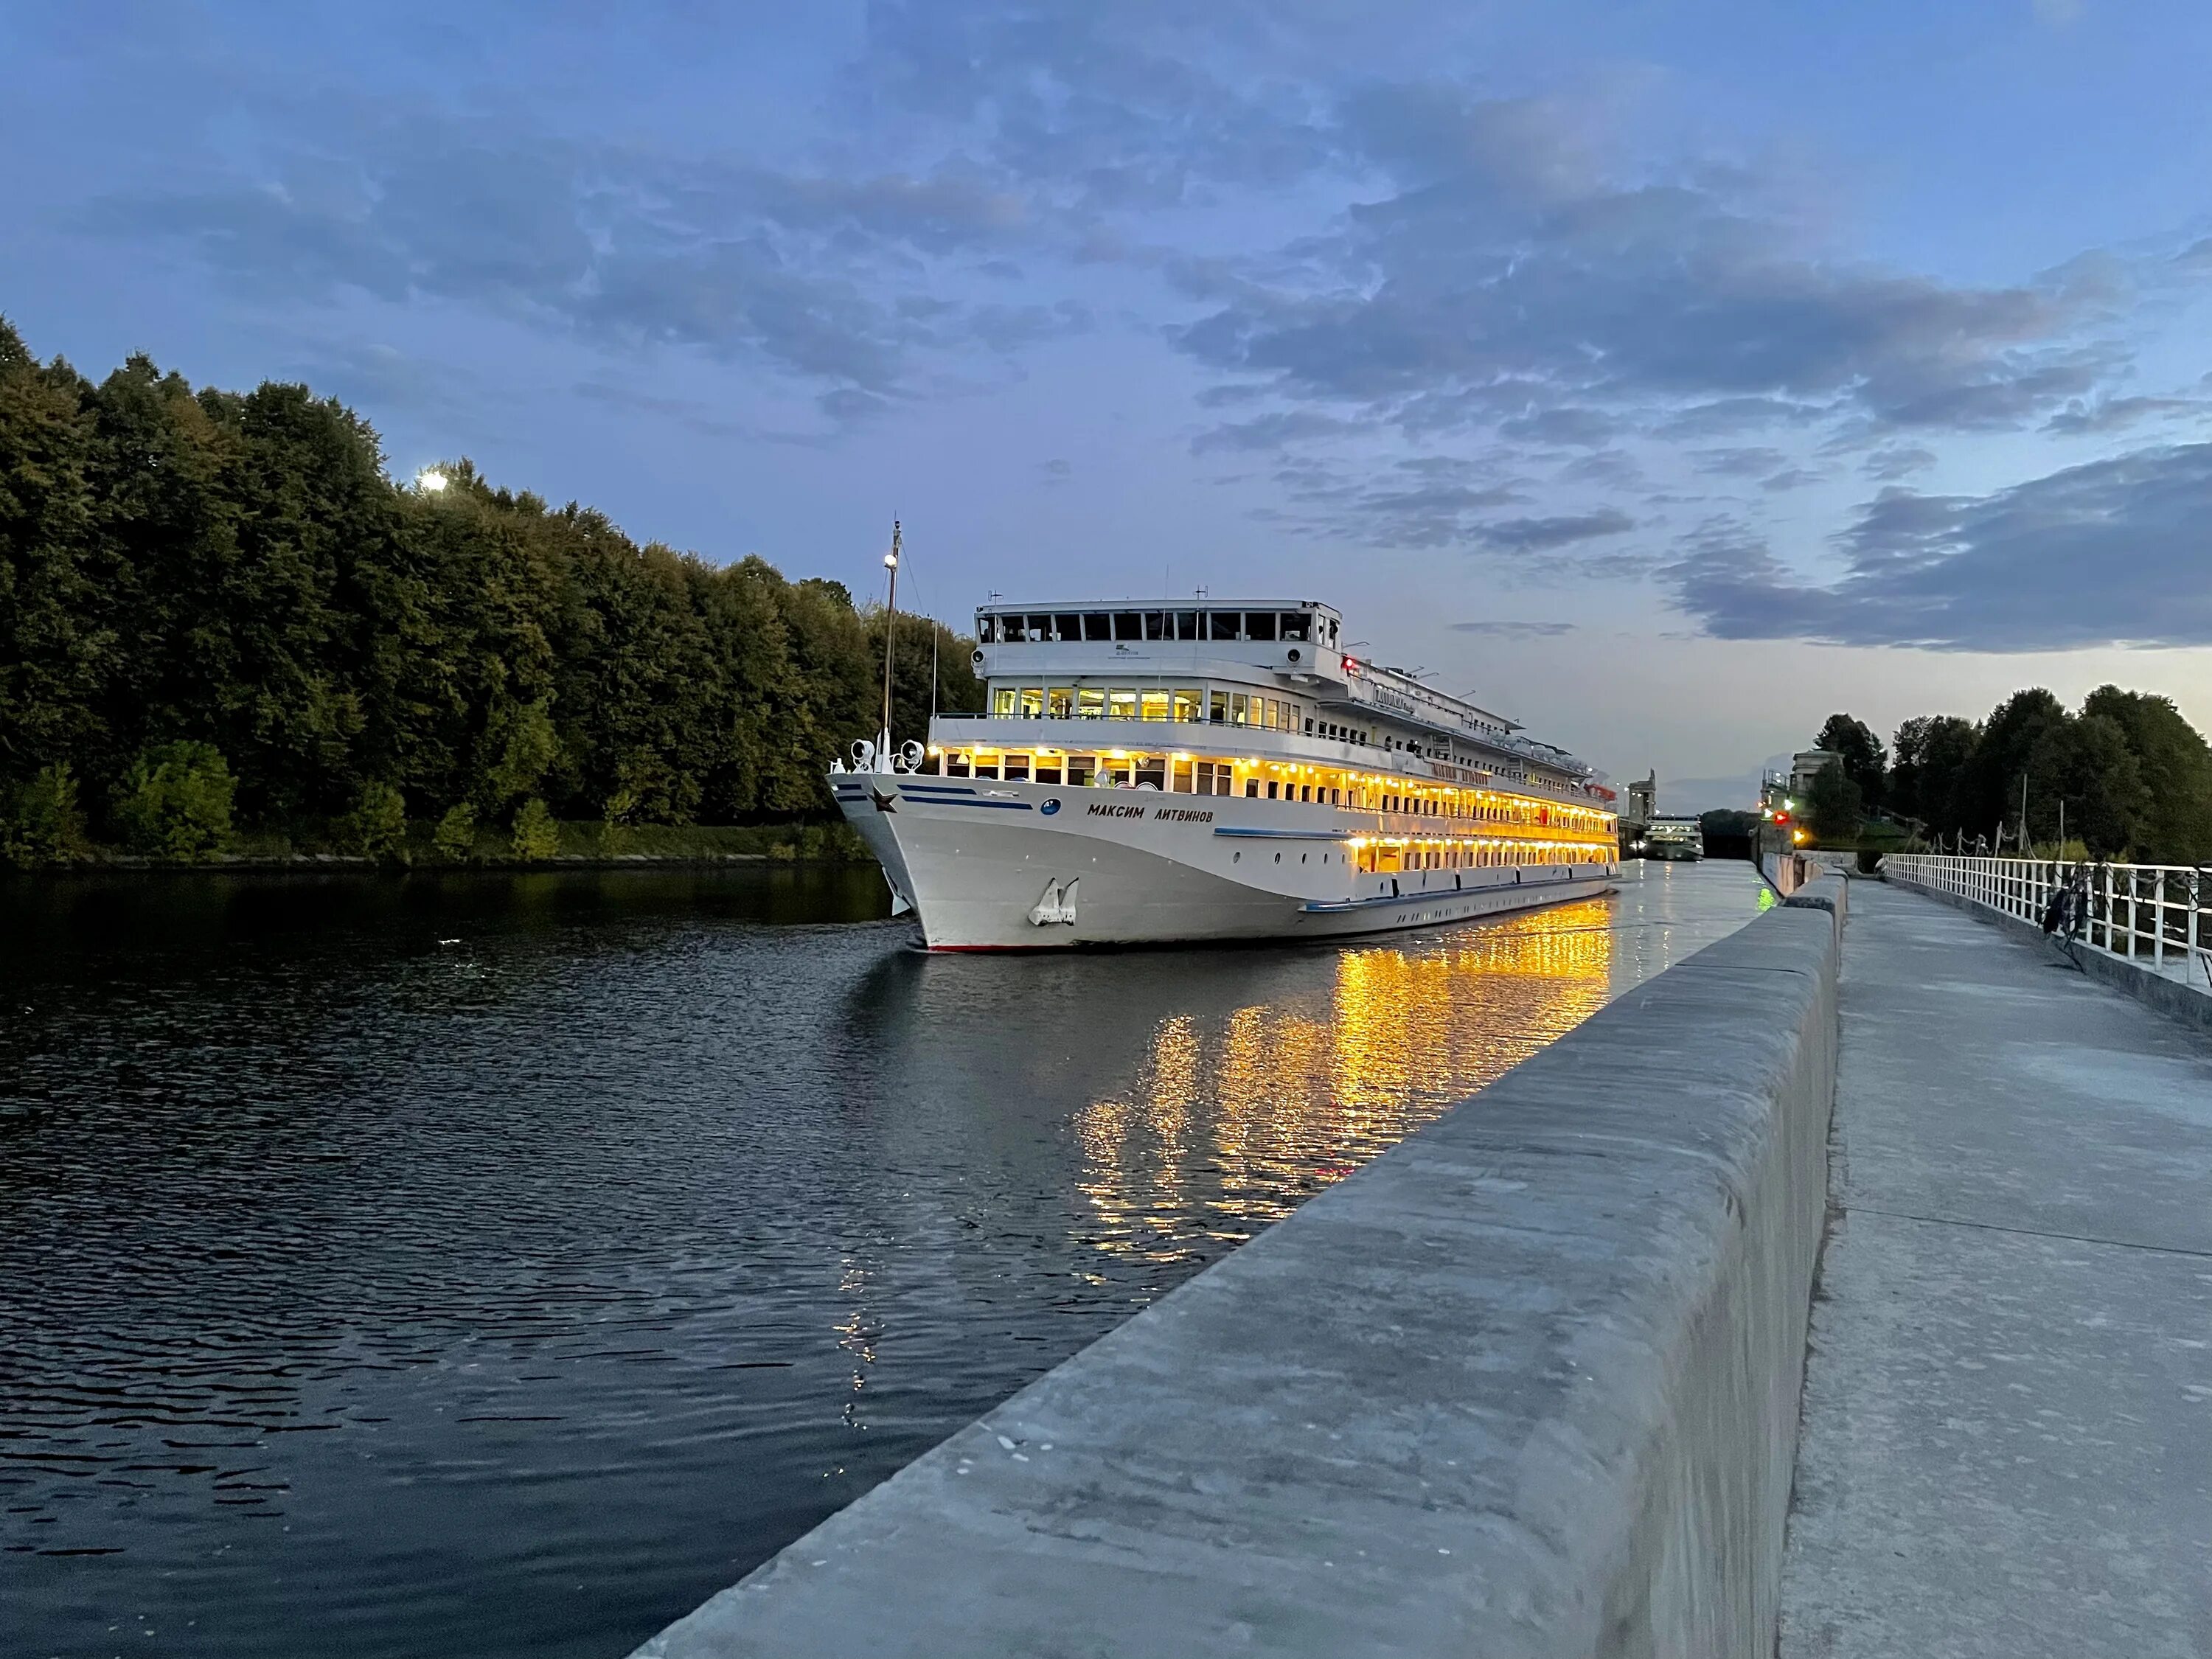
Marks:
<point>1527,1384</point>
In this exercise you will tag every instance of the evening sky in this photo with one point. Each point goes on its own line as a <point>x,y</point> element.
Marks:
<point>1668,375</point>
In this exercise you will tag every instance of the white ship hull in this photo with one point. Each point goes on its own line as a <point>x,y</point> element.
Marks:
<point>1012,865</point>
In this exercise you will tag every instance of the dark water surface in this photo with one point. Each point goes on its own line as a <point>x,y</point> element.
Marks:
<point>500,1265</point>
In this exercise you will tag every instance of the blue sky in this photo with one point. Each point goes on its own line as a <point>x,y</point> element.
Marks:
<point>1667,375</point>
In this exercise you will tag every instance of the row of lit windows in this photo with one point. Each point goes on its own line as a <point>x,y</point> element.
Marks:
<point>1133,702</point>
<point>1185,774</point>
<point>1375,857</point>
<point>1190,703</point>
<point>1132,627</point>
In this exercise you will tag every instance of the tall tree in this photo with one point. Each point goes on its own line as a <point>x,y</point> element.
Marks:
<point>237,575</point>
<point>1835,807</point>
<point>2175,826</point>
<point>58,643</point>
<point>2082,773</point>
<point>1931,753</point>
<point>1864,762</point>
<point>1988,789</point>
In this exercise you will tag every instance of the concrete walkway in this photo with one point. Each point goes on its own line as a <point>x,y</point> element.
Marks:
<point>2007,1446</point>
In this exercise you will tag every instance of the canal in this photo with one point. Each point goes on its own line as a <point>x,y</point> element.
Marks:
<point>500,1265</point>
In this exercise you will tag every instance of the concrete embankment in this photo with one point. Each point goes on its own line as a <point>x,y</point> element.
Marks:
<point>2007,1424</point>
<point>1527,1384</point>
<point>2177,999</point>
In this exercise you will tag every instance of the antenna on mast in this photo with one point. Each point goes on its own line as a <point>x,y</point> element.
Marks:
<point>891,638</point>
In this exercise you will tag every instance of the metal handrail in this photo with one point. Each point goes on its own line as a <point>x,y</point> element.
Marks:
<point>2158,913</point>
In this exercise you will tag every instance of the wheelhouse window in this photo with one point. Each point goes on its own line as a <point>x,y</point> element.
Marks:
<point>1185,623</point>
<point>1097,625</point>
<point>1259,624</point>
<point>1223,624</point>
<point>1296,625</point>
<point>1066,625</point>
<point>1128,625</point>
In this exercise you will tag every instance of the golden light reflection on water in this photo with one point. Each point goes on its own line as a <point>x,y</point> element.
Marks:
<point>1242,1117</point>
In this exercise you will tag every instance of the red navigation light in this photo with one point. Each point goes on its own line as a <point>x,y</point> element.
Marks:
<point>1782,818</point>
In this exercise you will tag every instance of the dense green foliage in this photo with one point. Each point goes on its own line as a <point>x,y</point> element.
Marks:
<point>2130,776</point>
<point>209,594</point>
<point>1835,806</point>
<point>1865,764</point>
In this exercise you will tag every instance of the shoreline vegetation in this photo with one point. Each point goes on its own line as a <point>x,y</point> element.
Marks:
<point>229,637</point>
<point>2125,778</point>
<point>577,845</point>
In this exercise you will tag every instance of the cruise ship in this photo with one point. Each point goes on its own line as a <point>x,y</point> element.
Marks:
<point>1152,774</point>
<point>1674,838</point>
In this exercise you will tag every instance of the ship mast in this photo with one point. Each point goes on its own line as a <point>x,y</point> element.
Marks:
<point>890,634</point>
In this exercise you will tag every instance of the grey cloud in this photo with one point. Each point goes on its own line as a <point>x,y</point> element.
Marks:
<point>1119,107</point>
<point>1791,477</point>
<point>2112,414</point>
<point>683,411</point>
<point>1267,432</point>
<point>1544,535</point>
<point>1727,415</point>
<point>826,277</point>
<point>1736,462</point>
<point>1509,253</point>
<point>2110,553</point>
<point>376,375</point>
<point>1567,427</point>
<point>1898,461</point>
<point>1514,630</point>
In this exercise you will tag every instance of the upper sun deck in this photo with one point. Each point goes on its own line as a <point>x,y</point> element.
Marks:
<point>1269,644</point>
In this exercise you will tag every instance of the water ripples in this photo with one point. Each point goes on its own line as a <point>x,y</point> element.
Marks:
<point>501,1265</point>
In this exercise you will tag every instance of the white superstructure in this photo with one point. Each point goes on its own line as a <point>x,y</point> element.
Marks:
<point>1147,773</point>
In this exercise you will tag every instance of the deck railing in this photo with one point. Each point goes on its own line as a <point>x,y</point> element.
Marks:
<point>2158,914</point>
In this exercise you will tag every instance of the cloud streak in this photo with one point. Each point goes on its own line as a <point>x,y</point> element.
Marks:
<point>2109,553</point>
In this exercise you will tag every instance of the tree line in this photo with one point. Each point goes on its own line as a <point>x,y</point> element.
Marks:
<point>218,611</point>
<point>2124,775</point>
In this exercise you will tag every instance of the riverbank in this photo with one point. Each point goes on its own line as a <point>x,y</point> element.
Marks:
<point>578,845</point>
